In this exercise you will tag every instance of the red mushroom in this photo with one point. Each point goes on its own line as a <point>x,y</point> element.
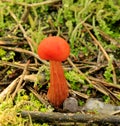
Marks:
<point>55,49</point>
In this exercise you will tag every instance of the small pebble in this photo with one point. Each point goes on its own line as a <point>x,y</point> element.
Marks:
<point>70,105</point>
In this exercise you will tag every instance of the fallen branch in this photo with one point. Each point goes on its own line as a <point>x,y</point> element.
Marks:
<point>55,117</point>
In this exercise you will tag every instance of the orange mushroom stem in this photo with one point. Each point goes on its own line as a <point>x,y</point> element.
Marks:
<point>58,90</point>
<point>56,50</point>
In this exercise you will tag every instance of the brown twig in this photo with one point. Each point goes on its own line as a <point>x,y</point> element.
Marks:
<point>106,91</point>
<point>104,35</point>
<point>97,42</point>
<point>44,102</point>
<point>21,80</point>
<point>79,94</point>
<point>31,67</point>
<point>103,50</point>
<point>54,117</point>
<point>22,29</point>
<point>7,43</point>
<point>7,91</point>
<point>34,4</point>
<point>77,70</point>
<point>87,79</point>
<point>111,94</point>
<point>29,40</point>
<point>103,82</point>
<point>24,51</point>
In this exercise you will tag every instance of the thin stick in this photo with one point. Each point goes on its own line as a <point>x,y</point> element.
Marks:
<point>29,40</point>
<point>77,70</point>
<point>44,102</point>
<point>87,78</point>
<point>21,80</point>
<point>79,94</point>
<point>24,51</point>
<point>107,37</point>
<point>31,67</point>
<point>104,82</point>
<point>104,52</point>
<point>34,4</point>
<point>7,91</point>
<point>97,42</point>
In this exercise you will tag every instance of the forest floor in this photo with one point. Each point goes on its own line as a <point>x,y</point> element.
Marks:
<point>92,29</point>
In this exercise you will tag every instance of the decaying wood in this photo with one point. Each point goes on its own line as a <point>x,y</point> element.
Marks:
<point>55,117</point>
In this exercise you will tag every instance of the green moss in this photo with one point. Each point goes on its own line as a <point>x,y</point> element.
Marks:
<point>2,53</point>
<point>75,79</point>
<point>9,56</point>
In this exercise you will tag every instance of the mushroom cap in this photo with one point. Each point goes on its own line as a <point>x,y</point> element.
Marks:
<point>53,48</point>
